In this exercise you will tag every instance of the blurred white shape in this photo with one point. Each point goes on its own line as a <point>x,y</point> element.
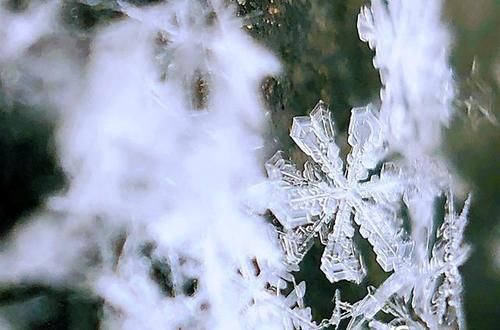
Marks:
<point>154,219</point>
<point>411,54</point>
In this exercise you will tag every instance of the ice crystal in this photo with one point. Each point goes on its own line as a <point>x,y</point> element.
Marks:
<point>171,124</point>
<point>325,193</point>
<point>326,197</point>
<point>388,187</point>
<point>411,55</point>
<point>477,99</point>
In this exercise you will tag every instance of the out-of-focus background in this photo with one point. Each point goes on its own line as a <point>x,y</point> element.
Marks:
<point>322,58</point>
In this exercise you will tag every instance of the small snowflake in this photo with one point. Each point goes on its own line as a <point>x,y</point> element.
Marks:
<point>476,101</point>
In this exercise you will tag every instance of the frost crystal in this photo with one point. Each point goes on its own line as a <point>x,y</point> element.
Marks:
<point>390,185</point>
<point>477,99</point>
<point>326,193</point>
<point>170,124</point>
<point>326,197</point>
<point>411,55</point>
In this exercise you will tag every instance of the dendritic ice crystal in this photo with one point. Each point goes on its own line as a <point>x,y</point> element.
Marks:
<point>328,195</point>
<point>328,198</point>
<point>392,187</point>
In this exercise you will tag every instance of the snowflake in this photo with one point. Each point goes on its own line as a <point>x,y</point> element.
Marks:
<point>326,193</point>
<point>476,101</point>
<point>327,198</point>
<point>424,293</point>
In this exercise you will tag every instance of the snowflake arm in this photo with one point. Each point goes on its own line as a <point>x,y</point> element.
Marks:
<point>450,251</point>
<point>341,260</point>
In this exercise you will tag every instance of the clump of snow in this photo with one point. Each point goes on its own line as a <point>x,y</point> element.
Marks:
<point>160,140</point>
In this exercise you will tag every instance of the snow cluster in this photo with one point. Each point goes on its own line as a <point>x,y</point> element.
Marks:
<point>159,132</point>
<point>393,176</point>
